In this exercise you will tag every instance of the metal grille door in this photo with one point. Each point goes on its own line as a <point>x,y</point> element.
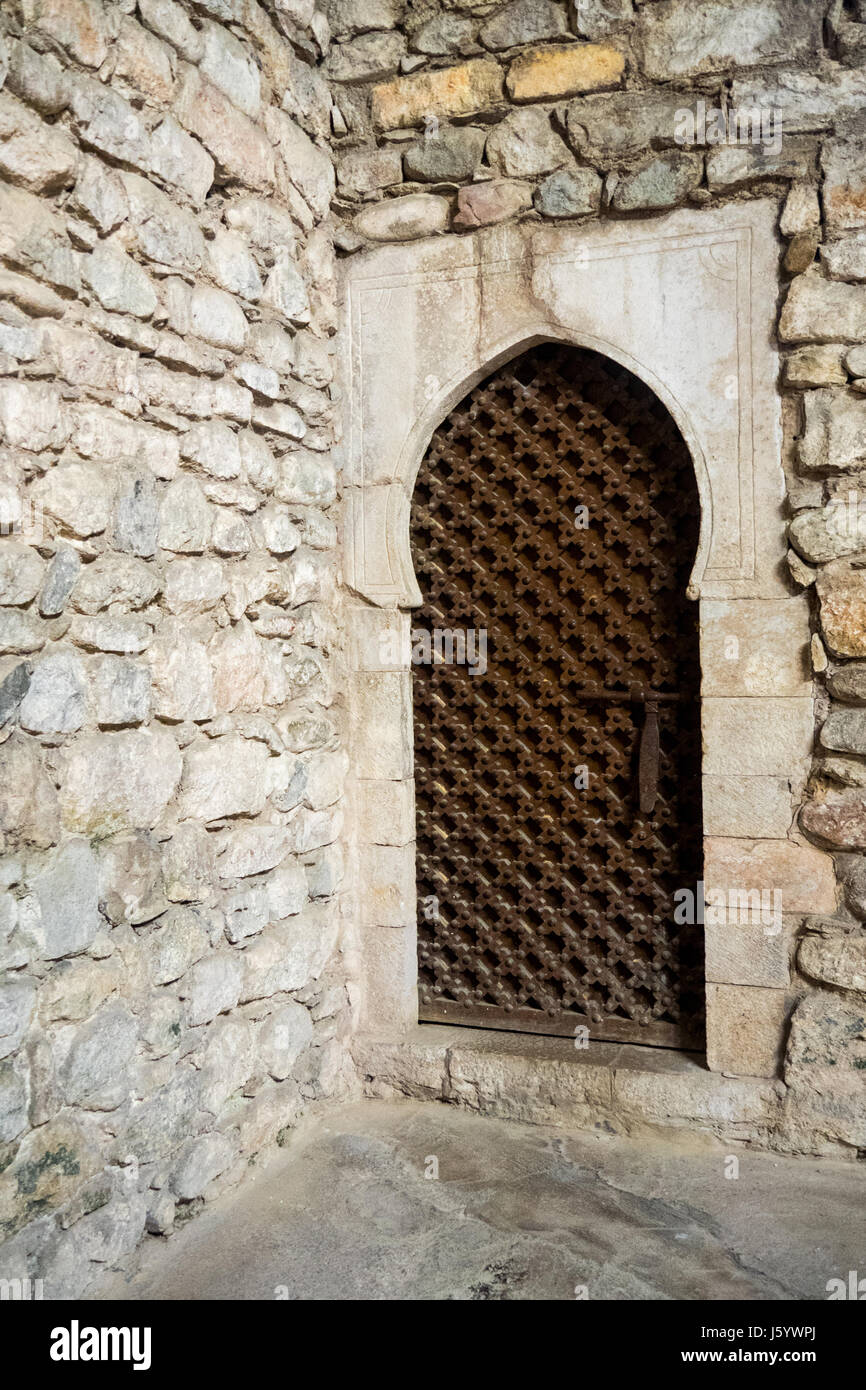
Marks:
<point>558,789</point>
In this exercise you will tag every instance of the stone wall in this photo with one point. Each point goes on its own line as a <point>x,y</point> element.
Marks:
<point>171,763</point>
<point>176,177</point>
<point>462,116</point>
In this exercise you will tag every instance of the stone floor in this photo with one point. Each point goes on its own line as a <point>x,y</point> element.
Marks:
<point>517,1212</point>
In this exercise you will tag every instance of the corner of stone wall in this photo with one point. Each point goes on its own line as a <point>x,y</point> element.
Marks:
<point>173,939</point>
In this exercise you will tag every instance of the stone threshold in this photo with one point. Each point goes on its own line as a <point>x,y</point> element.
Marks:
<point>613,1087</point>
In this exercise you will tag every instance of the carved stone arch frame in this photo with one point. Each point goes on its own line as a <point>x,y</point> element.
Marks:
<point>687,303</point>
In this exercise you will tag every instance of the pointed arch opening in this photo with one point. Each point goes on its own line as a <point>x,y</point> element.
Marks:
<point>556,675</point>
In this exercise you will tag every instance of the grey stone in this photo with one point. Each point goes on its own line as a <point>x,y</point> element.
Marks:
<point>75,495</point>
<point>596,18</point>
<point>308,167</point>
<point>444,34</point>
<point>178,941</point>
<point>17,1002</point>
<point>119,781</point>
<point>130,880</point>
<point>286,291</point>
<point>230,65</point>
<point>181,674</point>
<point>118,282</point>
<point>621,125</point>
<point>214,448</point>
<point>95,1073</point>
<point>246,913</point>
<point>730,166</point>
<point>232,265</point>
<point>136,516</point>
<point>803,100</point>
<point>200,1162</point>
<point>524,21</point>
<point>110,1234</point>
<point>845,259</point>
<point>28,801</point>
<point>704,36</point>
<point>107,123</point>
<point>844,731</point>
<point>14,1100</point>
<point>66,898</point>
<point>848,683</point>
<point>193,586</point>
<point>368,58</point>
<point>121,691</point>
<point>213,986</point>
<point>21,570</point>
<point>56,699</point>
<point>185,515</point>
<point>287,891</point>
<point>835,956</point>
<point>834,437</point>
<point>188,864</point>
<point>569,193</point>
<point>366,170</point>
<point>356,16</point>
<point>821,310</point>
<point>159,1124</point>
<point>99,195</point>
<point>13,688</point>
<point>525,143</point>
<point>116,579</point>
<point>161,1208</point>
<point>60,578</point>
<point>171,22</point>
<point>37,78</point>
<point>282,1038</point>
<point>76,988</point>
<point>663,182</point>
<point>181,161</point>
<point>162,231</point>
<point>451,154</point>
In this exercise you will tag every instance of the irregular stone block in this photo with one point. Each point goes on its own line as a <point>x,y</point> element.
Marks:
<point>123,781</point>
<point>542,74</point>
<point>459,91</point>
<point>675,40</point>
<point>404,219</point>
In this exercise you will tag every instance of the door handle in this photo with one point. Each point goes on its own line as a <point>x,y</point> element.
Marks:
<point>648,758</point>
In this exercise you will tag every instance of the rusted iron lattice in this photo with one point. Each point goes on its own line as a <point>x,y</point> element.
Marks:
<point>545,904</point>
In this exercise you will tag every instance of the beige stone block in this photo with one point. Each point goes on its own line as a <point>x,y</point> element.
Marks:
<point>803,875</point>
<point>380,639</point>
<point>387,883</point>
<point>753,738</point>
<point>457,91</point>
<point>696,1096</point>
<point>759,808</point>
<point>564,71</point>
<point>749,953</point>
<point>755,647</point>
<point>745,1029</point>
<point>389,961</point>
<point>382,723</point>
<point>386,812</point>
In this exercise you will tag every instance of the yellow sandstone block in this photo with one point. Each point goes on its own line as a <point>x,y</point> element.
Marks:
<point>458,91</point>
<point>564,70</point>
